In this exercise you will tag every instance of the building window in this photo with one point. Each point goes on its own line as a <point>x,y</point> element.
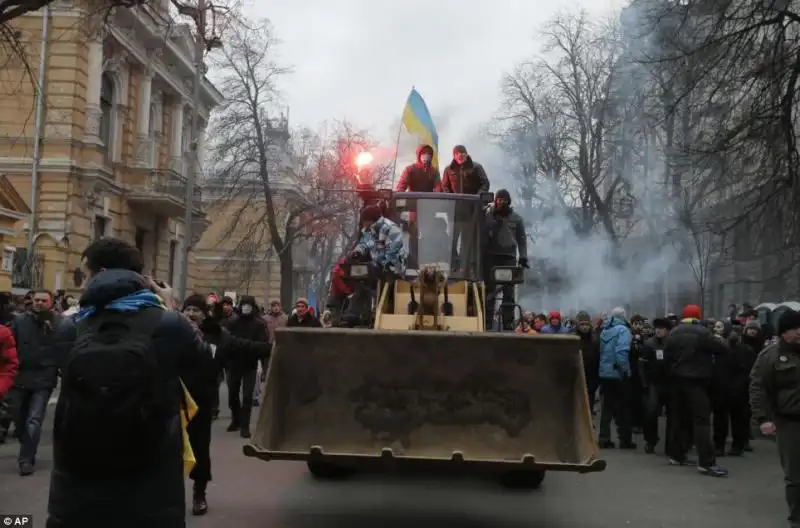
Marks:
<point>173,255</point>
<point>107,116</point>
<point>100,227</point>
<point>8,259</point>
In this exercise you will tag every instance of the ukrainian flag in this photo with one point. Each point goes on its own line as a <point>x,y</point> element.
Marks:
<point>418,121</point>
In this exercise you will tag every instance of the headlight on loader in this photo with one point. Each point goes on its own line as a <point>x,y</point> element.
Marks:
<point>508,275</point>
<point>359,271</point>
<point>503,275</point>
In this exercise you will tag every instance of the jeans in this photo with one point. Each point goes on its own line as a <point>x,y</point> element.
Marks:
<point>30,406</point>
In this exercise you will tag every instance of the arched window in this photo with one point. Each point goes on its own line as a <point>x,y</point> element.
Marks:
<point>107,118</point>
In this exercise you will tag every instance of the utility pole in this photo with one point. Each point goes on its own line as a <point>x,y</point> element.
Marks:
<point>194,166</point>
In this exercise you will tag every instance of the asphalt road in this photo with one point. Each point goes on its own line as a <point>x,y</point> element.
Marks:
<point>637,490</point>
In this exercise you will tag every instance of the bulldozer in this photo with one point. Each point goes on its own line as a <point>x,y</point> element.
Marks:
<point>426,386</point>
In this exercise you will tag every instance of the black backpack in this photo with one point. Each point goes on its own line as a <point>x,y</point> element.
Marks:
<point>113,414</point>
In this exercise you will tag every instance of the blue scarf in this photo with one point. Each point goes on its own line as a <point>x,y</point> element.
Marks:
<point>130,303</point>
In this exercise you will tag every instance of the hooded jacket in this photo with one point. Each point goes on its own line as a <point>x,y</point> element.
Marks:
<point>615,346</point>
<point>419,177</point>
<point>467,178</point>
<point>505,233</point>
<point>155,496</point>
<point>250,327</point>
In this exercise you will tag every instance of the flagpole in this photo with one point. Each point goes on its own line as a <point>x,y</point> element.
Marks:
<point>397,142</point>
<point>396,150</point>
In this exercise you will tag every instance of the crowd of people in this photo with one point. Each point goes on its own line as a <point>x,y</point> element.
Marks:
<point>711,378</point>
<point>134,365</point>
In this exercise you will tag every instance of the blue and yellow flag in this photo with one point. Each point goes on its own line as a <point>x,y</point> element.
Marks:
<point>418,121</point>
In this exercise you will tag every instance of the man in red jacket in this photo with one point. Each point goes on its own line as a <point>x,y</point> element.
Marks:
<point>9,362</point>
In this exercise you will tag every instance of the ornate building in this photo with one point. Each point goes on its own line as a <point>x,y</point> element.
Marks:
<point>114,138</point>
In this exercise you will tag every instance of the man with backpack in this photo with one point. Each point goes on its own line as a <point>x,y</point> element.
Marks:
<point>117,436</point>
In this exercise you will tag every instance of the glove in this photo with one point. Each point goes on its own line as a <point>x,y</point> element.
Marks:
<point>523,263</point>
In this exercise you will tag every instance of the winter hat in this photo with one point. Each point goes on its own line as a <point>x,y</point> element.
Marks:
<point>618,312</point>
<point>555,314</point>
<point>583,317</point>
<point>692,311</point>
<point>789,320</point>
<point>301,300</point>
<point>195,300</point>
<point>502,193</point>
<point>459,148</point>
<point>370,213</point>
<point>227,300</point>
<point>753,324</point>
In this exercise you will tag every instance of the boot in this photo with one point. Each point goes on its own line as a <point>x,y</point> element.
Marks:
<point>245,432</point>
<point>199,504</point>
<point>234,426</point>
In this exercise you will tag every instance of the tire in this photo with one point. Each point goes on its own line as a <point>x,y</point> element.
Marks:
<point>523,480</point>
<point>327,471</point>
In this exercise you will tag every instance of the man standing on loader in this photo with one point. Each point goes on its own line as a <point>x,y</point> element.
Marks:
<point>506,245</point>
<point>421,176</point>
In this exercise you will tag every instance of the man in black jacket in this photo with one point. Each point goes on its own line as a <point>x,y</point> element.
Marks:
<point>42,343</point>
<point>654,376</point>
<point>155,495</point>
<point>243,368</point>
<point>464,176</point>
<point>506,245</point>
<point>689,354</point>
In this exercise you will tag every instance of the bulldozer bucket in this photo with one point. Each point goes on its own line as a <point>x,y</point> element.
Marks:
<point>486,400</point>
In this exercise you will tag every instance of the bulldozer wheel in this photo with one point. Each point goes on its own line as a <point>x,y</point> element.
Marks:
<point>326,471</point>
<point>527,480</point>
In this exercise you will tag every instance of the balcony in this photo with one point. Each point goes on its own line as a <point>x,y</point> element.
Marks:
<point>160,193</point>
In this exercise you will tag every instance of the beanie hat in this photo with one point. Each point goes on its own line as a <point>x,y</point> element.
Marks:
<point>692,311</point>
<point>503,193</point>
<point>227,300</point>
<point>753,324</point>
<point>619,311</point>
<point>583,317</point>
<point>301,300</point>
<point>789,320</point>
<point>459,148</point>
<point>554,315</point>
<point>370,213</point>
<point>196,300</point>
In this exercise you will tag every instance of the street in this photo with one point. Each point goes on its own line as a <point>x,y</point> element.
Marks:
<point>636,490</point>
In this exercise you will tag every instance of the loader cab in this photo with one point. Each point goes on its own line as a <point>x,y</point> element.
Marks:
<point>441,231</point>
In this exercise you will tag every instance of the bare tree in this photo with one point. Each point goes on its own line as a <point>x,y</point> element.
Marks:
<point>283,192</point>
<point>745,69</point>
<point>559,109</point>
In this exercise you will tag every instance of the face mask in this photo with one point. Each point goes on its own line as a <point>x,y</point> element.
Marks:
<point>247,309</point>
<point>425,158</point>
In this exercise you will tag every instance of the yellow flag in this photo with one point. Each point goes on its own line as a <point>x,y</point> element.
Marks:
<point>188,411</point>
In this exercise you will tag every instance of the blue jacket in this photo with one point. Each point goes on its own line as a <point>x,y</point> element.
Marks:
<point>615,346</point>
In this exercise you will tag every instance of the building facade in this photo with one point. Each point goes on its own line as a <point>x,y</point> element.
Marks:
<point>114,138</point>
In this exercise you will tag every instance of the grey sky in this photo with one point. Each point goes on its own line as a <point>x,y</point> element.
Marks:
<point>358,59</point>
